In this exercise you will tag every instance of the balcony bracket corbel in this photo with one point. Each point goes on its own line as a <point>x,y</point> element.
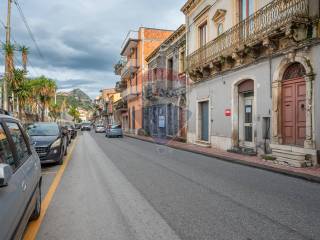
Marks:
<point>238,56</point>
<point>271,44</point>
<point>252,52</point>
<point>216,65</point>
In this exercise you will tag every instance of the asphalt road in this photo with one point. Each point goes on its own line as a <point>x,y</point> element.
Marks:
<point>127,189</point>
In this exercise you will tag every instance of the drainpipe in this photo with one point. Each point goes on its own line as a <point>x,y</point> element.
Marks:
<point>187,78</point>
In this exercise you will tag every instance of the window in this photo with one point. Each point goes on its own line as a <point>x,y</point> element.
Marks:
<point>220,29</point>
<point>203,34</point>
<point>246,9</point>
<point>154,75</point>
<point>182,61</point>
<point>19,141</point>
<point>6,155</point>
<point>170,73</point>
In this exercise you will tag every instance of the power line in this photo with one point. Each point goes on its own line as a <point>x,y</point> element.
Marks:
<point>28,28</point>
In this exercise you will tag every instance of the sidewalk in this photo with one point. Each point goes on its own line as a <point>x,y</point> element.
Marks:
<point>310,174</point>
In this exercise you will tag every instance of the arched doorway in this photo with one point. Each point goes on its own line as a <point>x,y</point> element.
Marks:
<point>246,113</point>
<point>293,105</point>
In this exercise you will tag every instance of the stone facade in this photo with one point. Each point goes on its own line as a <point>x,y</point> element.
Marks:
<point>164,92</point>
<point>237,100</point>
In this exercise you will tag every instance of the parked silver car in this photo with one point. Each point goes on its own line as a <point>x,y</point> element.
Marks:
<point>114,130</point>
<point>20,179</point>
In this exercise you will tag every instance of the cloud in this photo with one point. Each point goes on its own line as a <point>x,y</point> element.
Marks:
<point>81,39</point>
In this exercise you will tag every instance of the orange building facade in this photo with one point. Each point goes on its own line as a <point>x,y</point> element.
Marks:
<point>133,70</point>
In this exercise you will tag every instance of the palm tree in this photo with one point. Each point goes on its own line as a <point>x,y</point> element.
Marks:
<point>9,64</point>
<point>24,54</point>
<point>73,111</point>
<point>45,89</point>
<point>24,94</point>
<point>54,111</point>
<point>17,80</point>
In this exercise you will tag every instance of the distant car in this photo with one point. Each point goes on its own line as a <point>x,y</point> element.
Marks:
<point>78,125</point>
<point>20,180</point>
<point>86,126</point>
<point>100,129</point>
<point>114,130</point>
<point>49,141</point>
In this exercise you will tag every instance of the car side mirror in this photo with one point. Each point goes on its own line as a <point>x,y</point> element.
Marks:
<point>65,131</point>
<point>5,174</point>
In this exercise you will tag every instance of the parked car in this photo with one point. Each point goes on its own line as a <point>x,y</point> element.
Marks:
<point>67,134</point>
<point>114,130</point>
<point>86,126</point>
<point>20,179</point>
<point>78,125</point>
<point>72,130</point>
<point>50,141</point>
<point>100,129</point>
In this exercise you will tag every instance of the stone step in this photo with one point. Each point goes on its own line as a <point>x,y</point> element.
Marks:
<point>291,155</point>
<point>292,162</point>
<point>203,144</point>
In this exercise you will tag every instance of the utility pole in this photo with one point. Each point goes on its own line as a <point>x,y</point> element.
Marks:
<point>7,67</point>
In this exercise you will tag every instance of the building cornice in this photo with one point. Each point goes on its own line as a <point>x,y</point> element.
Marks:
<point>189,6</point>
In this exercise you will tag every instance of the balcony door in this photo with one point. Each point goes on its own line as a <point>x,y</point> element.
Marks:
<point>203,34</point>
<point>246,8</point>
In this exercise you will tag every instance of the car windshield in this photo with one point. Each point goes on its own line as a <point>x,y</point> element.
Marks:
<point>115,126</point>
<point>43,129</point>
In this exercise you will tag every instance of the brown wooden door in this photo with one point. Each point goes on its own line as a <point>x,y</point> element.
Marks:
<point>293,112</point>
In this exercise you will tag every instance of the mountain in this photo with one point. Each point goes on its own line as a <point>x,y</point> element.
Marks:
<point>77,98</point>
<point>80,95</point>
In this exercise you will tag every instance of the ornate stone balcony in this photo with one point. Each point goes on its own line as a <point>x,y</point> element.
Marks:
<point>252,37</point>
<point>157,91</point>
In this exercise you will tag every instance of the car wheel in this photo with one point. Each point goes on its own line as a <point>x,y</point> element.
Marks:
<point>37,208</point>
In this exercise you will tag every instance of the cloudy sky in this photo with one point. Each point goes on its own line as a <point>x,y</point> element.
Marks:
<point>81,39</point>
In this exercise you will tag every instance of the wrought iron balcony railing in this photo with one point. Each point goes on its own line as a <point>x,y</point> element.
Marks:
<point>271,17</point>
<point>130,67</point>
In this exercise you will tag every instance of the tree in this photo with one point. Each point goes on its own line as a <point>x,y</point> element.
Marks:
<point>24,94</point>
<point>24,54</point>
<point>54,111</point>
<point>17,80</point>
<point>73,111</point>
<point>9,66</point>
<point>45,90</point>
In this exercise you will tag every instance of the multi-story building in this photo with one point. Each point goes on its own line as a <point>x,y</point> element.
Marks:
<point>255,71</point>
<point>132,68</point>
<point>104,103</point>
<point>164,92</point>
